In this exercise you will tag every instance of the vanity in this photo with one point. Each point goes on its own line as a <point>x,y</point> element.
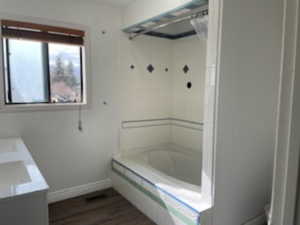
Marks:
<point>23,189</point>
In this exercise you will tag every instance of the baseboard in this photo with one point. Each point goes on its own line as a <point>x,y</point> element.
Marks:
<point>259,220</point>
<point>78,190</point>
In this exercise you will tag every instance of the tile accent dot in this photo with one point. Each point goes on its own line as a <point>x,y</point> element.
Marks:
<point>186,69</point>
<point>150,68</point>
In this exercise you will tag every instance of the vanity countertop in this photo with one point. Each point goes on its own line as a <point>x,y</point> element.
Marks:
<point>19,174</point>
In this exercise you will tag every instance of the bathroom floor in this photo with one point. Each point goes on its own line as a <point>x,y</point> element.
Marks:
<point>100,208</point>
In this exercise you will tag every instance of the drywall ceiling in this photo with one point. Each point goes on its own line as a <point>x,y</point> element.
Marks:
<point>120,3</point>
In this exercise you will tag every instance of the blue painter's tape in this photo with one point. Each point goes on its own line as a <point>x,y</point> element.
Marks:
<point>162,190</point>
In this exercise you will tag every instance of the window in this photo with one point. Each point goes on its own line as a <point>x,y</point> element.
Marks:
<point>42,64</point>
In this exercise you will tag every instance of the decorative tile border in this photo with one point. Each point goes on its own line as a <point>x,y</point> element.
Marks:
<point>180,210</point>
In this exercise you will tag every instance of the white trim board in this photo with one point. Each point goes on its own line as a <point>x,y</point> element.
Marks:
<point>285,173</point>
<point>78,190</point>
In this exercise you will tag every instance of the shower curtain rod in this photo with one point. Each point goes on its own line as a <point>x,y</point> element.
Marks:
<point>201,11</point>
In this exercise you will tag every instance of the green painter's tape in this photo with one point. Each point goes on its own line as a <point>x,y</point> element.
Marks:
<point>158,200</point>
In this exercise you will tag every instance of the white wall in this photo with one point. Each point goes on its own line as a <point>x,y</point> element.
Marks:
<point>188,104</point>
<point>67,157</point>
<point>145,95</point>
<point>247,104</point>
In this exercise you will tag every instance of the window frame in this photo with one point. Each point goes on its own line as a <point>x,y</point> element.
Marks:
<point>85,68</point>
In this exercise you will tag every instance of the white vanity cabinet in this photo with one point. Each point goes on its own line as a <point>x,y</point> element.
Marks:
<point>23,189</point>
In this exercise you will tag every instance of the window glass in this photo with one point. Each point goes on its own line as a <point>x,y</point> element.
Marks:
<point>65,73</point>
<point>26,72</point>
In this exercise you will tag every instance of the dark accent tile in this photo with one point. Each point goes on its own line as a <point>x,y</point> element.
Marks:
<point>186,69</point>
<point>150,68</point>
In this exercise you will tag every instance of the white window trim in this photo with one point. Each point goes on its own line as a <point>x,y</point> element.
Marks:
<point>53,106</point>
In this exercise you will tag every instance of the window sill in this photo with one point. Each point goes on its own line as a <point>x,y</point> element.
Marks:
<point>42,107</point>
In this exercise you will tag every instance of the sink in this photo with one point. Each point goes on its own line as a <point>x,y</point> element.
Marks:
<point>8,145</point>
<point>23,189</point>
<point>13,173</point>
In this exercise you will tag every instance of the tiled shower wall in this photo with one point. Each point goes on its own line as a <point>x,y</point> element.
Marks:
<point>145,94</point>
<point>188,103</point>
<point>163,92</point>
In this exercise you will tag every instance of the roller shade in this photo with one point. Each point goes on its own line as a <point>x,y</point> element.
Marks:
<point>44,33</point>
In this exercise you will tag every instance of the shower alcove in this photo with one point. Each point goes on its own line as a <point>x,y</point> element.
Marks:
<point>163,64</point>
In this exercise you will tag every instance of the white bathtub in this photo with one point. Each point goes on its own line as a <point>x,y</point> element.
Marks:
<point>164,183</point>
<point>171,164</point>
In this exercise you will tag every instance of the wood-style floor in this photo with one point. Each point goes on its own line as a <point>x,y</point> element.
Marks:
<point>100,208</point>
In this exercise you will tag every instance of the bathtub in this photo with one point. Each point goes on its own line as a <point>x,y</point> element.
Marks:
<point>164,183</point>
